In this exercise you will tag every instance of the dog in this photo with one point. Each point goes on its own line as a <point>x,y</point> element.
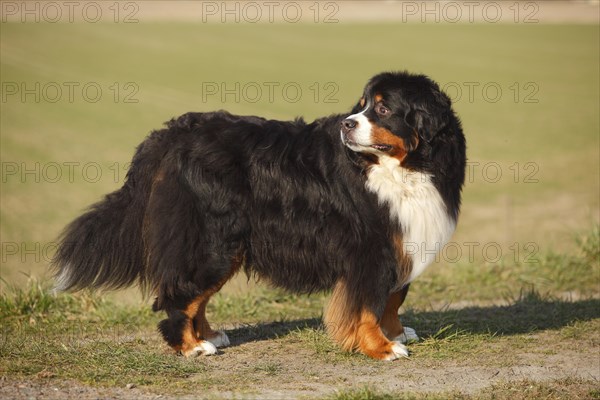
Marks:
<point>355,203</point>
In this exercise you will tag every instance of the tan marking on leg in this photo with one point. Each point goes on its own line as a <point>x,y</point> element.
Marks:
<point>356,331</point>
<point>390,324</point>
<point>197,327</point>
<point>340,321</point>
<point>372,341</point>
<point>404,262</point>
<point>201,326</point>
<point>190,339</point>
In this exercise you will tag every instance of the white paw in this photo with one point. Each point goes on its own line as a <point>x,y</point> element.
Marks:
<point>409,336</point>
<point>221,340</point>
<point>398,350</point>
<point>204,347</point>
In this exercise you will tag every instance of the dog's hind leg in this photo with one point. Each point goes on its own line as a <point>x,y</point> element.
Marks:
<point>200,324</point>
<point>192,248</point>
<point>180,332</point>
<point>187,330</point>
<point>204,331</point>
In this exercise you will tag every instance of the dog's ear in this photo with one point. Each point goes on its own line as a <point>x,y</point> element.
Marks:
<point>426,124</point>
<point>430,118</point>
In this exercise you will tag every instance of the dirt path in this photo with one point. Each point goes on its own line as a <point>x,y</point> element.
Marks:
<point>401,377</point>
<point>289,368</point>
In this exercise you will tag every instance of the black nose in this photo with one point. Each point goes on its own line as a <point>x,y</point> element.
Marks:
<point>348,125</point>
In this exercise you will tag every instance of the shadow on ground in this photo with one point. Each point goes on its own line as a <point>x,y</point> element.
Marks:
<point>527,315</point>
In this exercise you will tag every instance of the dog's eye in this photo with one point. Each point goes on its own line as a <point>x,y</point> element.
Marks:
<point>381,109</point>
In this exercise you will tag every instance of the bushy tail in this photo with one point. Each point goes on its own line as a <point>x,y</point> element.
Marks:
<point>104,247</point>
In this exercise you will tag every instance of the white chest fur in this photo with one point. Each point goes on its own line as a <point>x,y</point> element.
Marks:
<point>416,204</point>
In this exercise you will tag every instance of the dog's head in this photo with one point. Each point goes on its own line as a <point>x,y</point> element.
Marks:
<point>397,113</point>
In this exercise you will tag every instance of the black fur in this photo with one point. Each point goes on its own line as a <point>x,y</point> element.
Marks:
<point>171,328</point>
<point>288,197</point>
<point>104,246</point>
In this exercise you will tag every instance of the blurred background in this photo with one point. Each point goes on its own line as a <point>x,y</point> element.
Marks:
<point>84,82</point>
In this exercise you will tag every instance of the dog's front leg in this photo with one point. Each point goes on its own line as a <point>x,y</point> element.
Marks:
<point>359,328</point>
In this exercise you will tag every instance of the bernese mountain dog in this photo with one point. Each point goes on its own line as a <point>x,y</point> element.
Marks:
<point>355,203</point>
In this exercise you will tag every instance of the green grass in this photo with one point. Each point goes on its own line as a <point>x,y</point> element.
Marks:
<point>37,302</point>
<point>82,337</point>
<point>465,333</point>
<point>170,62</point>
<point>263,304</point>
<point>576,273</point>
<point>468,312</point>
<point>362,394</point>
<point>565,389</point>
<point>92,340</point>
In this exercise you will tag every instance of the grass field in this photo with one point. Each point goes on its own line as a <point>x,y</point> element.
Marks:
<point>533,346</point>
<point>512,304</point>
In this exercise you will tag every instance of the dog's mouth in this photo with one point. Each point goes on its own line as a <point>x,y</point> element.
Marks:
<point>381,147</point>
<point>348,141</point>
<point>384,148</point>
